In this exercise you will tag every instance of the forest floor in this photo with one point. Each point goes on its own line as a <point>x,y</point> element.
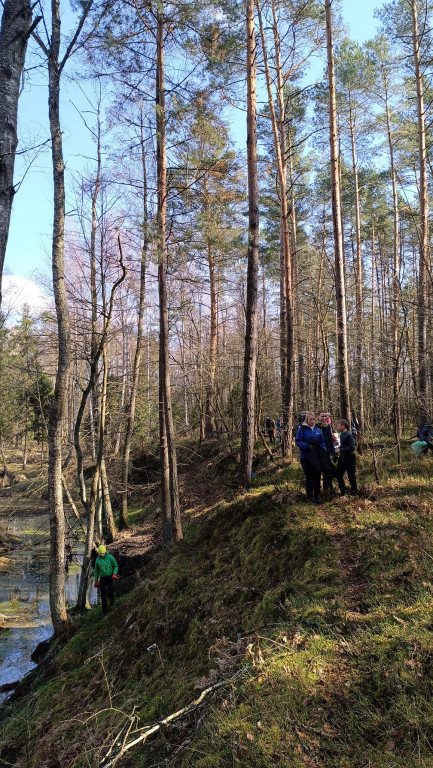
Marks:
<point>285,634</point>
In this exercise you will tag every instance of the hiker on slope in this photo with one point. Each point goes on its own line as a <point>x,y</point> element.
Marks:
<point>105,571</point>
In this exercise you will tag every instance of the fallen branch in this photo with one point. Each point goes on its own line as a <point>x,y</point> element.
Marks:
<point>151,729</point>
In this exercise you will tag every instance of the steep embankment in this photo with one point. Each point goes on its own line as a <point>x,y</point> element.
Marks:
<point>317,619</point>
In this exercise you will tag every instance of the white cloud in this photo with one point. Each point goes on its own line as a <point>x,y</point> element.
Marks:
<point>18,291</point>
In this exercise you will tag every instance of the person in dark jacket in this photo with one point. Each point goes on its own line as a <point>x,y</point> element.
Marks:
<point>270,429</point>
<point>105,571</point>
<point>346,459</point>
<point>328,469</point>
<point>310,441</point>
<point>425,432</point>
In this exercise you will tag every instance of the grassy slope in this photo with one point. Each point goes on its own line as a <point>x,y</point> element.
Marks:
<point>325,614</point>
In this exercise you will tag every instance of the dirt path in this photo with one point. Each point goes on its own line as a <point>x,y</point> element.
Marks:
<point>350,566</point>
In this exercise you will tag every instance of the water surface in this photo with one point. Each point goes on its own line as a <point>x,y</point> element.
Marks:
<point>24,598</point>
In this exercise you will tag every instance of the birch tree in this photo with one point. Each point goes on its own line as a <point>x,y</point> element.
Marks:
<point>56,64</point>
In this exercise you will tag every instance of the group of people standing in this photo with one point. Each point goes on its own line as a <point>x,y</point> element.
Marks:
<point>323,453</point>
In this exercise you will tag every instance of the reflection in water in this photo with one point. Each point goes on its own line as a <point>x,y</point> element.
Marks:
<point>24,599</point>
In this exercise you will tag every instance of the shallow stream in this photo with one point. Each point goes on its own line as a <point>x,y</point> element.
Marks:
<point>24,601</point>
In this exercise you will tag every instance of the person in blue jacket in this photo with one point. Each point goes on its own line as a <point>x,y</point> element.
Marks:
<point>425,432</point>
<point>310,440</point>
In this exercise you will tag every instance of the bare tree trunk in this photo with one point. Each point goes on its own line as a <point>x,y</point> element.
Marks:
<point>251,330</point>
<point>14,33</point>
<point>168,446</point>
<point>25,452</point>
<point>396,406</point>
<point>424,245</point>
<point>116,448</point>
<point>109,526</point>
<point>340,285</point>
<point>123,516</point>
<point>298,320</point>
<point>210,426</point>
<point>279,136</point>
<point>59,402</point>
<point>289,244</point>
<point>358,282</point>
<point>93,499</point>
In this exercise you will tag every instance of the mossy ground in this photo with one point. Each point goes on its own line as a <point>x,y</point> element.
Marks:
<point>320,618</point>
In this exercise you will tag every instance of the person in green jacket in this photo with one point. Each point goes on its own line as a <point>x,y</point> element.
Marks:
<point>105,571</point>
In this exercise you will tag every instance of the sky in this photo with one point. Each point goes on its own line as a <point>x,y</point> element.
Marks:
<point>28,252</point>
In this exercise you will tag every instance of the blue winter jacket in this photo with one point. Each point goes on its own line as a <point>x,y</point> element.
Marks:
<point>303,437</point>
<point>426,432</point>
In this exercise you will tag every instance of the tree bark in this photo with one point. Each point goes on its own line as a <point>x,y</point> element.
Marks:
<point>123,516</point>
<point>424,245</point>
<point>359,365</point>
<point>170,504</point>
<point>340,285</point>
<point>14,33</point>
<point>396,407</point>
<point>210,427</point>
<point>286,288</point>
<point>58,406</point>
<point>251,330</point>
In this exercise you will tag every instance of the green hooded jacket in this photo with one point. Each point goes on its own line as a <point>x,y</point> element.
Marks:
<point>105,566</point>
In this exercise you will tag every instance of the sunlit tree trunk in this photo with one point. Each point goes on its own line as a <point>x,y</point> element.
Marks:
<point>59,403</point>
<point>298,318</point>
<point>340,284</point>
<point>251,329</point>
<point>210,426</point>
<point>123,516</point>
<point>170,504</point>
<point>424,245</point>
<point>396,408</point>
<point>279,136</point>
<point>359,360</point>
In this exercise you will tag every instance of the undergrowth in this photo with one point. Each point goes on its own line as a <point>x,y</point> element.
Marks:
<point>319,619</point>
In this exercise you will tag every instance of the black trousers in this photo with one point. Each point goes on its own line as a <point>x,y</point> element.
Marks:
<point>328,477</point>
<point>347,463</point>
<point>106,586</point>
<point>312,479</point>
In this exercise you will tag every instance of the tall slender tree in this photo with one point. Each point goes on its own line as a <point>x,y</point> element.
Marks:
<point>424,236</point>
<point>59,403</point>
<point>251,315</point>
<point>16,27</point>
<point>340,279</point>
<point>172,527</point>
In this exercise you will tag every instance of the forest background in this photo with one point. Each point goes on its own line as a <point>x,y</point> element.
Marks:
<point>173,316</point>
